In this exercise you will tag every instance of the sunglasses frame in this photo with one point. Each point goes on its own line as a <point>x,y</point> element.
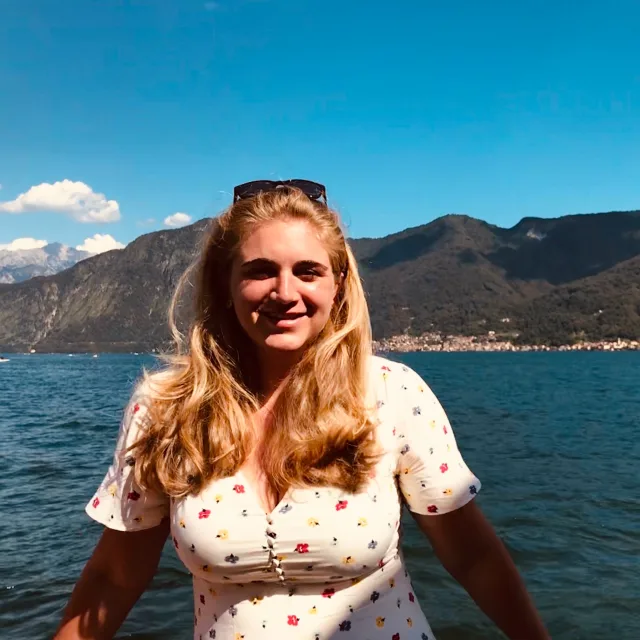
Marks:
<point>313,190</point>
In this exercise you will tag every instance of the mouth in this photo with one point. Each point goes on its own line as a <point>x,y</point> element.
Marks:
<point>282,320</point>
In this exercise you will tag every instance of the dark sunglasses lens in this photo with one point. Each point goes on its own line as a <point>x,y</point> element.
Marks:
<point>313,190</point>
<point>250,189</point>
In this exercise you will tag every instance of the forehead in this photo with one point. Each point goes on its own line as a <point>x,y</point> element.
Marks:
<point>284,242</point>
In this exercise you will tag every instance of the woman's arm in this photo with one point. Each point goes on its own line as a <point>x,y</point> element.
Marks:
<point>470,550</point>
<point>117,573</point>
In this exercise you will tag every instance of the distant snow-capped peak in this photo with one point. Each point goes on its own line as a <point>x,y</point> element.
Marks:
<point>17,265</point>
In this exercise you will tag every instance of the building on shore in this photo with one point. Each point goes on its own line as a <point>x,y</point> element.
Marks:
<point>451,343</point>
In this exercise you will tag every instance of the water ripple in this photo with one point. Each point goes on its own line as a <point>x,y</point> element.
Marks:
<point>554,438</point>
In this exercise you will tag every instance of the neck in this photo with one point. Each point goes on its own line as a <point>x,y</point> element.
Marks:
<point>274,371</point>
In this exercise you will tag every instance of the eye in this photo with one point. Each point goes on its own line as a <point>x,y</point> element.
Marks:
<point>262,272</point>
<point>258,275</point>
<point>309,270</point>
<point>308,274</point>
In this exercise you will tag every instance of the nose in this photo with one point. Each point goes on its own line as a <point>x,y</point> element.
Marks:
<point>285,289</point>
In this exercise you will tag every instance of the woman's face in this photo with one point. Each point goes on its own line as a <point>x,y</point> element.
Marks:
<point>282,286</point>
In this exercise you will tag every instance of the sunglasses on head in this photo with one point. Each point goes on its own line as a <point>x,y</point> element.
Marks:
<point>313,190</point>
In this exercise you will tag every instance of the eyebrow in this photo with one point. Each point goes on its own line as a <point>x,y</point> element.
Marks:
<point>304,264</point>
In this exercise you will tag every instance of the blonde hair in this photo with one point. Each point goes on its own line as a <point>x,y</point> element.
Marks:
<point>201,404</point>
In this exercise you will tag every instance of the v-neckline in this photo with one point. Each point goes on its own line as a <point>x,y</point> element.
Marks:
<point>256,496</point>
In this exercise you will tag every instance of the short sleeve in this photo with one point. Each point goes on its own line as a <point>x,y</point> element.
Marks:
<point>432,475</point>
<point>120,503</point>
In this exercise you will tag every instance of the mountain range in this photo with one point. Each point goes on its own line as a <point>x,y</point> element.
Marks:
<point>545,280</point>
<point>22,264</point>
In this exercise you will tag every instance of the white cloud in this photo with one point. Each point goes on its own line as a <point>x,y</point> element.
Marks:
<point>23,243</point>
<point>99,243</point>
<point>177,220</point>
<point>76,199</point>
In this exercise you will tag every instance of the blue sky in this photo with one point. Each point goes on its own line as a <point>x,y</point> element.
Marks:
<point>406,111</point>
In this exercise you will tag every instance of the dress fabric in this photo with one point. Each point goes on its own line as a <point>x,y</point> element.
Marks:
<point>324,564</point>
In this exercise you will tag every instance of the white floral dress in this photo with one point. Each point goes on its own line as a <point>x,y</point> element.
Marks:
<point>324,564</point>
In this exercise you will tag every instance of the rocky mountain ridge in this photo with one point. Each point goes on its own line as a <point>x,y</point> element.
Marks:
<point>542,281</point>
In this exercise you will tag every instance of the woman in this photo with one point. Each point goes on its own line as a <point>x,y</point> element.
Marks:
<point>277,451</point>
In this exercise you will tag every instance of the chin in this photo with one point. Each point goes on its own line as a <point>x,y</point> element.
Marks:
<point>284,342</point>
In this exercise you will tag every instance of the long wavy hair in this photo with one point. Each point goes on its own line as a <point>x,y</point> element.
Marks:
<point>201,403</point>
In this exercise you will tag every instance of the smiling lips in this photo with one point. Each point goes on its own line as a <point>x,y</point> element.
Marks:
<point>283,320</point>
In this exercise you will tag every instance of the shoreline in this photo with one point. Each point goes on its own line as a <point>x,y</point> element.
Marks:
<point>436,342</point>
<point>427,343</point>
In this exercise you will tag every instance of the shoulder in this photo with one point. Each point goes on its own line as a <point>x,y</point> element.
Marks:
<point>136,415</point>
<point>402,390</point>
<point>395,376</point>
<point>139,401</point>
<point>383,365</point>
<point>150,390</point>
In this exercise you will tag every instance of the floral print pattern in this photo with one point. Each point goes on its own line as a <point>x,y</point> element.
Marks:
<point>323,564</point>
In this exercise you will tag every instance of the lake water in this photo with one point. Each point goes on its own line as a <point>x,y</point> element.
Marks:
<point>554,438</point>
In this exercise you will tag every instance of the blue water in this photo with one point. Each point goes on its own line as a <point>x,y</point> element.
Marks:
<point>553,436</point>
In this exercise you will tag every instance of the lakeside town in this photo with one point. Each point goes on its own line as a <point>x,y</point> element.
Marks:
<point>436,341</point>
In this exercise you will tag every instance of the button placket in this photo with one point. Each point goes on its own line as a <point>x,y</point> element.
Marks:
<point>273,556</point>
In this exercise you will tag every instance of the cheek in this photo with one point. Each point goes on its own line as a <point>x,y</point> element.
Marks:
<point>250,295</point>
<point>245,302</point>
<point>322,298</point>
